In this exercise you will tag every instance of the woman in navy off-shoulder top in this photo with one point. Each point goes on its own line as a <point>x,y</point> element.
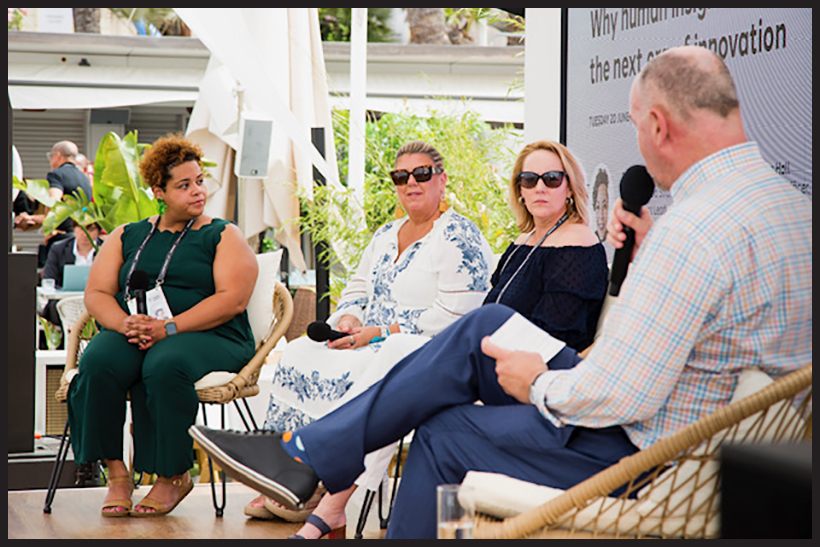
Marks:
<point>556,273</point>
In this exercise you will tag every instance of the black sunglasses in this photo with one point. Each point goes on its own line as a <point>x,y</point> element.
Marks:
<point>421,174</point>
<point>553,179</point>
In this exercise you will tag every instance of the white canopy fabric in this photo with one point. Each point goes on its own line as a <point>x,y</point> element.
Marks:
<point>272,58</point>
<point>35,87</point>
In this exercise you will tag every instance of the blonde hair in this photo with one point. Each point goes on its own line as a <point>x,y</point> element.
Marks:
<point>577,210</point>
<point>421,147</point>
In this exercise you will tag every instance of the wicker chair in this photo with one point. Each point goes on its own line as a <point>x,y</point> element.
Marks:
<point>70,309</point>
<point>236,387</point>
<point>676,480</point>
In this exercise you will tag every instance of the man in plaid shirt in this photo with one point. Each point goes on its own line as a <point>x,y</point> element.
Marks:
<point>720,284</point>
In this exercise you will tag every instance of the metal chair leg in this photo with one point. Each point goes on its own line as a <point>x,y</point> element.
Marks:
<point>385,521</point>
<point>250,414</point>
<point>370,494</point>
<point>366,505</point>
<point>220,507</point>
<point>57,470</point>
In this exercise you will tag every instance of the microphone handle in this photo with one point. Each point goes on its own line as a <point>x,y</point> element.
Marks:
<point>334,335</point>
<point>623,256</point>
<point>142,305</point>
<point>620,264</point>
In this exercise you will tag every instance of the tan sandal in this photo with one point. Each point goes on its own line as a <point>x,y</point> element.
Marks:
<point>184,486</point>
<point>260,513</point>
<point>124,504</point>
<point>296,516</point>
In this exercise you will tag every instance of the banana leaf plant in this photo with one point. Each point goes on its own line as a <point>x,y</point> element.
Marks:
<point>120,192</point>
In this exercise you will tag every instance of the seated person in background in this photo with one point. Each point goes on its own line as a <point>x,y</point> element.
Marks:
<point>720,284</point>
<point>554,274</point>
<point>418,275</point>
<point>206,286</point>
<point>78,250</point>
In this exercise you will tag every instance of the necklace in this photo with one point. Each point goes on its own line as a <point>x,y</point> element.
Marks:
<point>543,239</point>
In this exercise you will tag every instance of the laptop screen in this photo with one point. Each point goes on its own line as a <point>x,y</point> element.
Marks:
<point>75,277</point>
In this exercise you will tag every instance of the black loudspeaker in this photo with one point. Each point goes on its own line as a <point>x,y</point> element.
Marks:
<point>766,491</point>
<point>254,148</point>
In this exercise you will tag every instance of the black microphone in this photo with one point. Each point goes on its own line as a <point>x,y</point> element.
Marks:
<point>139,287</point>
<point>637,188</point>
<point>319,331</point>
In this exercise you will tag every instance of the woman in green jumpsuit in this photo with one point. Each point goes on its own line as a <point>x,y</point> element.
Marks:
<point>201,273</point>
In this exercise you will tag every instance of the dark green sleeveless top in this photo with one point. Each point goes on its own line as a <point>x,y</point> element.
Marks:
<point>190,277</point>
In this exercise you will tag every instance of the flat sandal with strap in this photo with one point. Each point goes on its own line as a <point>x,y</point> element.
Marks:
<point>184,486</point>
<point>324,529</point>
<point>125,504</point>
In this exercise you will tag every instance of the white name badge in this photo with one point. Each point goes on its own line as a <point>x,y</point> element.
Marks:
<point>157,305</point>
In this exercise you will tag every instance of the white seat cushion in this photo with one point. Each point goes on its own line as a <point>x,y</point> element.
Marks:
<point>503,497</point>
<point>214,379</point>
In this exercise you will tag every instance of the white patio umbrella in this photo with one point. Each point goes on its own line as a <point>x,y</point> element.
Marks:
<point>268,63</point>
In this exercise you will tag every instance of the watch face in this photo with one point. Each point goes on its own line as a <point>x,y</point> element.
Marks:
<point>170,329</point>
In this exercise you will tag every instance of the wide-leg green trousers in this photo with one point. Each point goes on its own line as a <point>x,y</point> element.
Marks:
<point>160,384</point>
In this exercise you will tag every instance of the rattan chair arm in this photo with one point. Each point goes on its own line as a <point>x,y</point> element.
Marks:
<point>631,467</point>
<point>72,346</point>
<point>72,354</point>
<point>283,315</point>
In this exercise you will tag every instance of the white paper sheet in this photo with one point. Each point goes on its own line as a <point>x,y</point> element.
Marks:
<point>519,334</point>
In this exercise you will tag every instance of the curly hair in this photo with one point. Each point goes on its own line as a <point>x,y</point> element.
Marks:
<point>166,154</point>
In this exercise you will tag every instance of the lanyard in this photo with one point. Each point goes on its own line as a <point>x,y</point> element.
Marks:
<point>543,239</point>
<point>164,270</point>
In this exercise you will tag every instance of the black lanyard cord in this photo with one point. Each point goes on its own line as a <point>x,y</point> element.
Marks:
<point>164,271</point>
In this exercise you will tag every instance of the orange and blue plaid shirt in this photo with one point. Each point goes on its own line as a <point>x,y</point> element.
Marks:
<point>721,283</point>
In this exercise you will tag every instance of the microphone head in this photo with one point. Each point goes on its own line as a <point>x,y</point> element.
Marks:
<point>319,331</point>
<point>140,281</point>
<point>637,186</point>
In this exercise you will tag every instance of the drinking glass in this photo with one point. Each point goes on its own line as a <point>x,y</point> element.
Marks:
<point>455,516</point>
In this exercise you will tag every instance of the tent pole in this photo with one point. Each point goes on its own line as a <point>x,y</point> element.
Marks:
<point>321,248</point>
<point>358,98</point>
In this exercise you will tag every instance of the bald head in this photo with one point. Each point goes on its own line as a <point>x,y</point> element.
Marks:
<point>686,108</point>
<point>687,79</point>
<point>67,149</point>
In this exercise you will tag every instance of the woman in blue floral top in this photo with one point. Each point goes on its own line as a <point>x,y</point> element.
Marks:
<point>418,275</point>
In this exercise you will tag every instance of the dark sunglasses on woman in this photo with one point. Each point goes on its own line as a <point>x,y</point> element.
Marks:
<point>421,174</point>
<point>552,179</point>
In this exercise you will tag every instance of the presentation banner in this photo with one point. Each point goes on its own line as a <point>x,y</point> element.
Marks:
<point>768,50</point>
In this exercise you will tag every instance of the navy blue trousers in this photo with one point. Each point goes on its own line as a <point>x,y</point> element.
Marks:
<point>433,391</point>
